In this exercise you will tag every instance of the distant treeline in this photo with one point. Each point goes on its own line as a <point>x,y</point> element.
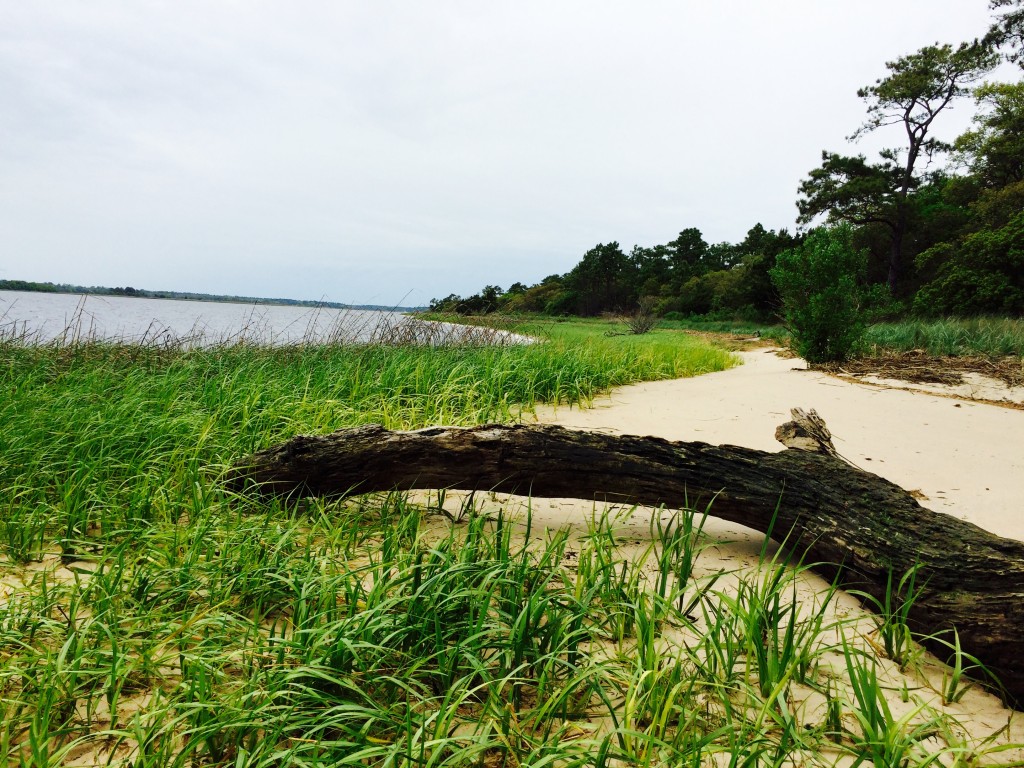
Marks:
<point>686,276</point>
<point>97,290</point>
<point>942,224</point>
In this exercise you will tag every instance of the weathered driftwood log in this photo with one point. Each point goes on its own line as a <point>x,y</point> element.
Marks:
<point>806,432</point>
<point>858,526</point>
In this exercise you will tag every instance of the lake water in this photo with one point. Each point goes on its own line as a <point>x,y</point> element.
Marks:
<point>47,316</point>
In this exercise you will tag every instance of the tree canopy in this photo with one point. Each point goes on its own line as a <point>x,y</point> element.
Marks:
<point>1008,30</point>
<point>939,221</point>
<point>917,88</point>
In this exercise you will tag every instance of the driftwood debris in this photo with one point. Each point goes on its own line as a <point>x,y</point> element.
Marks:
<point>806,432</point>
<point>858,526</point>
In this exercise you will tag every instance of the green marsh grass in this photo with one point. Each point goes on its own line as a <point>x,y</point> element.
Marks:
<point>150,617</point>
<point>957,337</point>
<point>883,737</point>
<point>989,337</point>
<point>764,330</point>
<point>892,613</point>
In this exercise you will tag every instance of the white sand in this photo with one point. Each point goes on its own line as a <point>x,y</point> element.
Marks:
<point>966,458</point>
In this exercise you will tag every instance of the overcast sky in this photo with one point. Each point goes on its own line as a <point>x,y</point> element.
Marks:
<point>391,152</point>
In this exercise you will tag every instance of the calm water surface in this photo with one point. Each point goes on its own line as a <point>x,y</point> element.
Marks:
<point>47,316</point>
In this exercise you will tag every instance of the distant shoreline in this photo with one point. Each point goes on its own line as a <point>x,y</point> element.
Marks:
<point>143,293</point>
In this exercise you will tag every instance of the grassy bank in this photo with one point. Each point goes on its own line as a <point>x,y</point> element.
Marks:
<point>93,429</point>
<point>150,617</point>
<point>986,337</point>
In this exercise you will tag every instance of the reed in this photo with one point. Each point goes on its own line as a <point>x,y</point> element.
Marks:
<point>990,337</point>
<point>957,337</point>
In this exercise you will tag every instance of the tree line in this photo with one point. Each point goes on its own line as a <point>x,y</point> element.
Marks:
<point>940,225</point>
<point>143,293</point>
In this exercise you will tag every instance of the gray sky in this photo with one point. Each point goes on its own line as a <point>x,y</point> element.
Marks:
<point>387,152</point>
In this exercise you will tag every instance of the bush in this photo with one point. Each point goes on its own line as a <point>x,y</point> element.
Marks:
<point>644,318</point>
<point>562,303</point>
<point>983,275</point>
<point>821,288</point>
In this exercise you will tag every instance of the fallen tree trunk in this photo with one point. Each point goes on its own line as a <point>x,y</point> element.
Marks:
<point>858,526</point>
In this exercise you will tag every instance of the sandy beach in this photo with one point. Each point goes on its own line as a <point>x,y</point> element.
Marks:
<point>961,457</point>
<point>964,457</point>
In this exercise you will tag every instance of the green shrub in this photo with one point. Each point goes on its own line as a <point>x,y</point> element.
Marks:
<point>821,285</point>
<point>984,274</point>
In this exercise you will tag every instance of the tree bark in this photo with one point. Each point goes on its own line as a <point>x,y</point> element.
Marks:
<point>856,526</point>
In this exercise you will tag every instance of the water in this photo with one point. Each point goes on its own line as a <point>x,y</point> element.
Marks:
<point>48,316</point>
<point>44,317</point>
